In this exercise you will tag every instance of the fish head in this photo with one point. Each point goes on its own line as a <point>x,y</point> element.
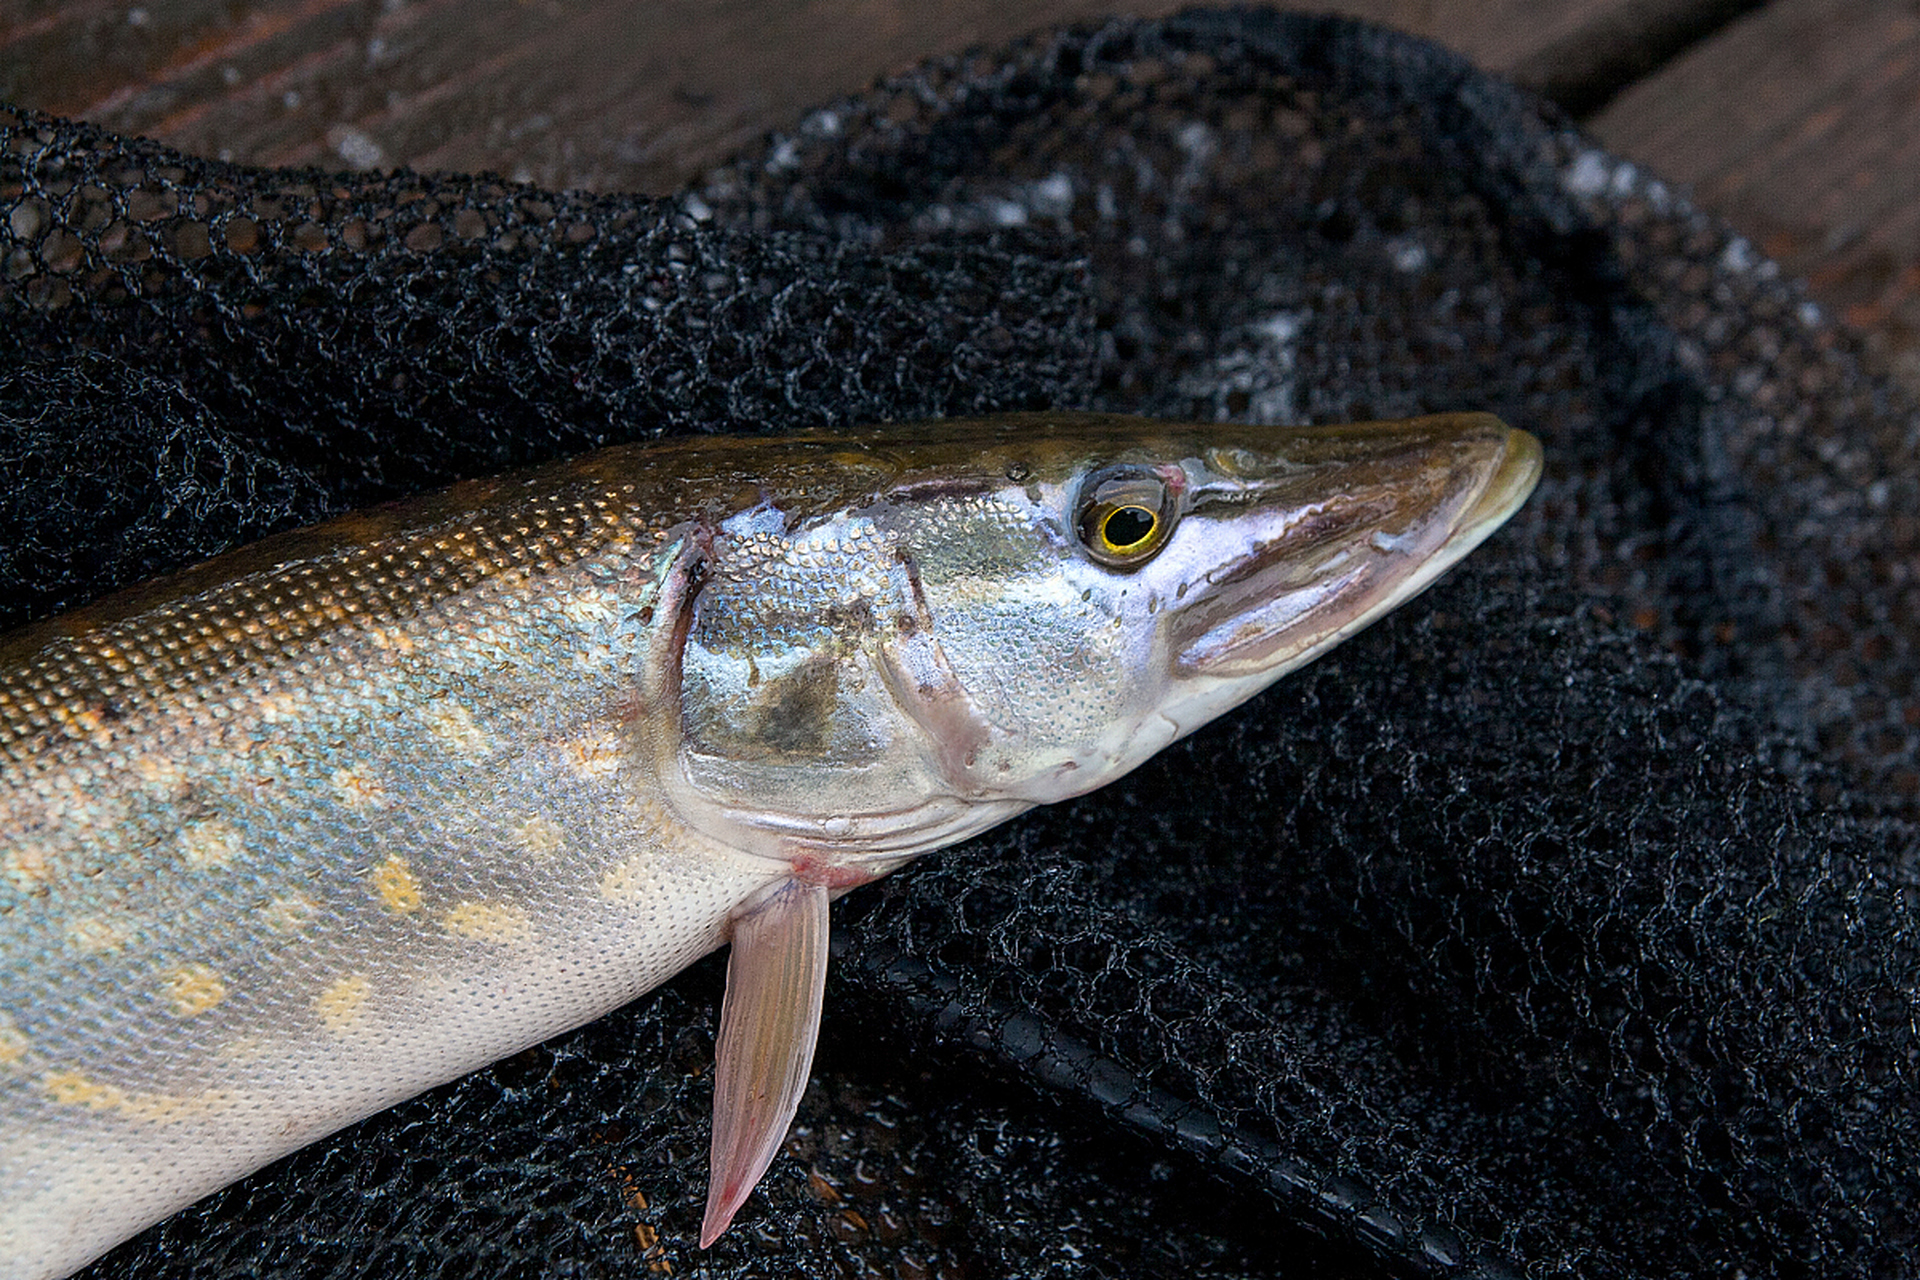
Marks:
<point>1124,591</point>
<point>1050,599</point>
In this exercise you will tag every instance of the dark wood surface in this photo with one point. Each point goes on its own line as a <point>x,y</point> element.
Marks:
<point>1798,120</point>
<point>1801,125</point>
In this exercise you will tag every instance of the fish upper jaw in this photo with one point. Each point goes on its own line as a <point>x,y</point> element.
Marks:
<point>1306,577</point>
<point>1297,567</point>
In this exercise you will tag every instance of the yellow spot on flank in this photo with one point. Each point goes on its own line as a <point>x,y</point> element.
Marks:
<point>452,722</point>
<point>394,881</point>
<point>596,757</point>
<point>281,704</point>
<point>339,1005</point>
<point>358,787</point>
<point>13,1045</point>
<point>160,775</point>
<point>291,913</point>
<point>628,882</point>
<point>193,989</point>
<point>392,638</point>
<point>542,837</point>
<point>244,1049</point>
<point>27,866</point>
<point>212,843</point>
<point>488,922</point>
<point>94,935</point>
<point>72,1089</point>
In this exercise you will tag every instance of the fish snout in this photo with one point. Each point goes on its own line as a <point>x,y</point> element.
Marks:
<point>1345,525</point>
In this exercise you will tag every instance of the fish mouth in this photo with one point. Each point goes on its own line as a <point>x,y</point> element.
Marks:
<point>1510,485</point>
<point>1308,554</point>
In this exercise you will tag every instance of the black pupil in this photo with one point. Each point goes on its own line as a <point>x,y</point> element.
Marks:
<point>1127,526</point>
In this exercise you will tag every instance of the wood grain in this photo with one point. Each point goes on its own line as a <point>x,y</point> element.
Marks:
<point>1801,125</point>
<point>600,94</point>
<point>1799,122</point>
<point>1590,55</point>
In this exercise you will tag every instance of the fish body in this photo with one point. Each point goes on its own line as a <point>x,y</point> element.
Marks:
<point>329,820</point>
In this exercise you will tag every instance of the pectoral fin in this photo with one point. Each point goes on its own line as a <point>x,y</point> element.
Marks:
<point>769,1021</point>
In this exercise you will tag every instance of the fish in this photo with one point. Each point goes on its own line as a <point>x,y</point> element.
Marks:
<point>293,835</point>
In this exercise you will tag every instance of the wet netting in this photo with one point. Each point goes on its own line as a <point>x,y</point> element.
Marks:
<point>1561,924</point>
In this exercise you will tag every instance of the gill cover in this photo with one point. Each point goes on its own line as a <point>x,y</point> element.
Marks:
<point>818,711</point>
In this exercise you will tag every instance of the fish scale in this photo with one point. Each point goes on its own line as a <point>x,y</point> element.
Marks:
<point>295,834</point>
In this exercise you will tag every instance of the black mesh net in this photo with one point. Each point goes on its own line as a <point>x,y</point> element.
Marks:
<point>1560,924</point>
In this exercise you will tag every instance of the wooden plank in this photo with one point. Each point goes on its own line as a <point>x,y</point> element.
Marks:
<point>1801,125</point>
<point>1798,122</point>
<point>70,56</point>
<point>603,94</point>
<point>1591,55</point>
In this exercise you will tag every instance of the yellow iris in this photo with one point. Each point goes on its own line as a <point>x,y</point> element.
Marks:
<point>1125,530</point>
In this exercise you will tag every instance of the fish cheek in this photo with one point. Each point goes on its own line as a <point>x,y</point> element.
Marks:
<point>809,713</point>
<point>782,723</point>
<point>788,718</point>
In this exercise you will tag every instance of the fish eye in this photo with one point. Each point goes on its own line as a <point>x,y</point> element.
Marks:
<point>1125,514</point>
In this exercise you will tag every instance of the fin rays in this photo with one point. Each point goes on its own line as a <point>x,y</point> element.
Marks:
<point>769,1021</point>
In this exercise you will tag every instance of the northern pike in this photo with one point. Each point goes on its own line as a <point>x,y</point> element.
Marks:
<point>293,835</point>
